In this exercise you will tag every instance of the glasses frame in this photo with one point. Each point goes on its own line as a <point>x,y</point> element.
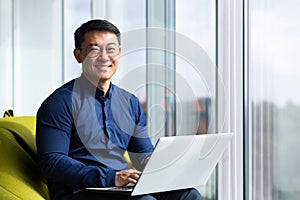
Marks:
<point>100,49</point>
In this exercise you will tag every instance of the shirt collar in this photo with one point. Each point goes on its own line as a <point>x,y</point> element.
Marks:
<point>95,90</point>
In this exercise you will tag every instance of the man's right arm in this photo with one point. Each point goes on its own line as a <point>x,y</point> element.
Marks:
<point>53,134</point>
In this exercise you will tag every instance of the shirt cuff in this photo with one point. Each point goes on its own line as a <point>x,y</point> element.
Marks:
<point>111,177</point>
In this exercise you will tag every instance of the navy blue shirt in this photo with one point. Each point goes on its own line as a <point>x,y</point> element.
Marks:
<point>81,136</point>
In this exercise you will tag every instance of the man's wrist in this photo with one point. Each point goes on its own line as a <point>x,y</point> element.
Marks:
<point>111,178</point>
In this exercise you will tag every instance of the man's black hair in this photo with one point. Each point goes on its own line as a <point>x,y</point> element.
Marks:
<point>94,25</point>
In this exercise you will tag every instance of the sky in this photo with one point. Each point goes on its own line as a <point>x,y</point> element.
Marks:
<point>274,40</point>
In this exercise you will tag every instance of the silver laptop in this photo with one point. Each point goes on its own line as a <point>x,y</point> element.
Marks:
<point>178,162</point>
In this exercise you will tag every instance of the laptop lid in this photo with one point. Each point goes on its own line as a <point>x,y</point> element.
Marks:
<point>180,162</point>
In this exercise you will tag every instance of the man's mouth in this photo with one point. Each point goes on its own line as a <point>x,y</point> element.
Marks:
<point>102,67</point>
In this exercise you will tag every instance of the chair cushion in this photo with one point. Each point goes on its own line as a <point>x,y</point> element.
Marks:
<point>19,174</point>
<point>24,129</point>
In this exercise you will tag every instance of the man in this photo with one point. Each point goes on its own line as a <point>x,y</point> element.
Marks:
<point>85,126</point>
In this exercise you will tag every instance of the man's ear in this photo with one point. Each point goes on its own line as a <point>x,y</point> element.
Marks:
<point>76,53</point>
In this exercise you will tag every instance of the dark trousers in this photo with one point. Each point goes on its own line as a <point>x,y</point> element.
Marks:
<point>186,194</point>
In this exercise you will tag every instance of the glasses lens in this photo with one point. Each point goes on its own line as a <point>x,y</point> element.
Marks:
<point>110,50</point>
<point>93,53</point>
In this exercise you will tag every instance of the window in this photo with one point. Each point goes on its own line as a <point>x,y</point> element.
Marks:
<point>196,72</point>
<point>34,52</point>
<point>275,103</point>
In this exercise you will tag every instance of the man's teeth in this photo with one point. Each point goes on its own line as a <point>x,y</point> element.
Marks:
<point>101,66</point>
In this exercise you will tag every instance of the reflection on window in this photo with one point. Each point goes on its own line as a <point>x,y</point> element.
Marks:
<point>274,79</point>
<point>195,83</point>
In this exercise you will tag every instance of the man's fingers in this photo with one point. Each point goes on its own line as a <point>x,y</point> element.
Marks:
<point>132,180</point>
<point>134,175</point>
<point>133,171</point>
<point>127,176</point>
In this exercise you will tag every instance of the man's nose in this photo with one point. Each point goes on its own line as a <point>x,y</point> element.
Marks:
<point>103,55</point>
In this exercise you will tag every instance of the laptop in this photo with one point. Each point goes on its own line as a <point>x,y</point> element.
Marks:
<point>177,162</point>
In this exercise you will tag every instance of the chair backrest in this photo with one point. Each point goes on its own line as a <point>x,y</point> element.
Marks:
<point>19,173</point>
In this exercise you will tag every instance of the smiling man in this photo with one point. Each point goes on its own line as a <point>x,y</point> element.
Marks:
<point>99,52</point>
<point>85,126</point>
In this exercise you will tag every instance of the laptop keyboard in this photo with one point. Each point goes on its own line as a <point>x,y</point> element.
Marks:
<point>126,188</point>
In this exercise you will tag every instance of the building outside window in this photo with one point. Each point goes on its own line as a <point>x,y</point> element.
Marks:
<point>275,104</point>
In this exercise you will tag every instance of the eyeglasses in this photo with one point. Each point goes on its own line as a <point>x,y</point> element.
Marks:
<point>93,50</point>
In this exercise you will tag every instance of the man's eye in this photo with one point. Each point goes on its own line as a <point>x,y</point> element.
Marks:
<point>94,49</point>
<point>111,49</point>
<point>94,52</point>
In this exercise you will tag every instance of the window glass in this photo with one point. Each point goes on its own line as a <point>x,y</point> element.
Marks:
<point>130,17</point>
<point>274,30</point>
<point>6,67</point>
<point>37,52</point>
<point>196,72</point>
<point>75,13</point>
<point>195,23</point>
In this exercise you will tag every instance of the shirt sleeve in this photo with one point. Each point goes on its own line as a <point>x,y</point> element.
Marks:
<point>140,145</point>
<point>53,133</point>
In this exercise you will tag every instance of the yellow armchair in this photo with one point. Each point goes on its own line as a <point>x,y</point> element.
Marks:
<point>20,177</point>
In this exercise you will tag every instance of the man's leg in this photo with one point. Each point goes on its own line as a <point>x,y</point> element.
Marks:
<point>186,194</point>
<point>90,195</point>
<point>144,197</point>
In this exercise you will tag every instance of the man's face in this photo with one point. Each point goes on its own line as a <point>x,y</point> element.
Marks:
<point>99,54</point>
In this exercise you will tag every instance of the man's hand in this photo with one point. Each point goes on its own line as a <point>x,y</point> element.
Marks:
<point>147,159</point>
<point>127,176</point>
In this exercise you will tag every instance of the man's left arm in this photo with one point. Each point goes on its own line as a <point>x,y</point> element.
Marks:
<point>140,146</point>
